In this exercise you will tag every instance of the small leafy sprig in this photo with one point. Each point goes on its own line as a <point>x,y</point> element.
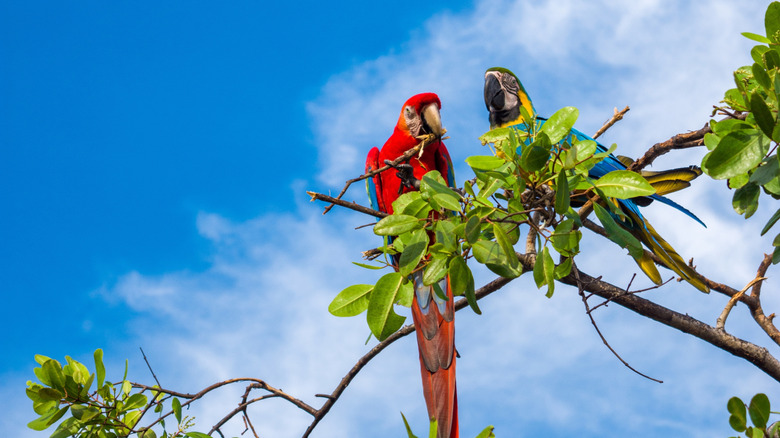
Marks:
<point>110,410</point>
<point>743,147</point>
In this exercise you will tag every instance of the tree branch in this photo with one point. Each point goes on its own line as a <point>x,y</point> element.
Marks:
<point>618,116</point>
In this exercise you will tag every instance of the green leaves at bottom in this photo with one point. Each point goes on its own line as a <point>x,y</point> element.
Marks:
<point>759,410</point>
<point>618,234</point>
<point>738,418</point>
<point>544,271</point>
<point>462,282</point>
<point>382,319</point>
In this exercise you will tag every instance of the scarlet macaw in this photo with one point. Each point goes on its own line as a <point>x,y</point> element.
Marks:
<point>505,95</point>
<point>433,316</point>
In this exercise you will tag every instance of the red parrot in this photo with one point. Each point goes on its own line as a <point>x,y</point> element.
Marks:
<point>433,317</point>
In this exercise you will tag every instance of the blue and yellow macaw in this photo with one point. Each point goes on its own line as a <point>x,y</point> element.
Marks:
<point>434,317</point>
<point>505,95</point>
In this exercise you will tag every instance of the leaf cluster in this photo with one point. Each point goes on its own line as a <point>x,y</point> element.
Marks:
<point>758,410</point>
<point>743,149</point>
<point>538,173</point>
<point>109,410</point>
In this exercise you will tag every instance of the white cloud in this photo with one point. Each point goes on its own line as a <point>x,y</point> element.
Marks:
<point>529,364</point>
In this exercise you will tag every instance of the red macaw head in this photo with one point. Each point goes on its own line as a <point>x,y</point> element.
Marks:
<point>420,116</point>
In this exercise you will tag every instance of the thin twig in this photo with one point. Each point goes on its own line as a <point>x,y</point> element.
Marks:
<point>581,292</point>
<point>351,205</point>
<point>720,323</point>
<point>425,141</point>
<point>614,119</point>
<point>149,366</point>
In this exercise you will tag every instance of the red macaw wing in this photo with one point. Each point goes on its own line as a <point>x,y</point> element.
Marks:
<point>374,183</point>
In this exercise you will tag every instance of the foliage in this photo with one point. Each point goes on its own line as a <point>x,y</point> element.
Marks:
<point>110,410</point>
<point>485,433</point>
<point>743,150</point>
<point>536,176</point>
<point>759,411</point>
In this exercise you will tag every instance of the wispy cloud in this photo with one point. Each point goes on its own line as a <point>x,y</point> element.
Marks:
<point>528,363</point>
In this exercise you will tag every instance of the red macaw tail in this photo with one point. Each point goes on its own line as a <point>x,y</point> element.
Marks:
<point>434,319</point>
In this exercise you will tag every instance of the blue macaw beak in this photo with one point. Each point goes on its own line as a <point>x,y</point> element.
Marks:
<point>495,96</point>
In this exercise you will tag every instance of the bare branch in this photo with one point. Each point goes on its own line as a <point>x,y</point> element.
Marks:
<point>720,324</point>
<point>618,116</point>
<point>351,205</point>
<point>581,292</point>
<point>758,356</point>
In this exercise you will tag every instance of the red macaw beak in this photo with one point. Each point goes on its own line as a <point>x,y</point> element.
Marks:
<point>432,120</point>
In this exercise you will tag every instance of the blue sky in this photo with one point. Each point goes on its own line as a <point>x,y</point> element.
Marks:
<point>154,161</point>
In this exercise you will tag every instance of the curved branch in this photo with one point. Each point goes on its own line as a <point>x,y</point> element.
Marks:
<point>758,356</point>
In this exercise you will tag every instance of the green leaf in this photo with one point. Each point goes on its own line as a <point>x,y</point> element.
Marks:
<point>405,294</point>
<point>396,224</point>
<point>433,429</point>
<point>364,265</point>
<point>434,187</point>
<point>624,184</point>
<point>772,22</point>
<point>135,401</point>
<point>406,423</point>
<point>484,162</point>
<point>772,221</point>
<point>351,301</point>
<point>564,268</point>
<point>759,410</point>
<point>462,282</point>
<point>764,118</point>
<point>536,155</point>
<point>756,37</point>
<point>413,252</point>
<point>53,370</point>
<point>776,256</point>
<point>382,320</point>
<point>549,271</point>
<point>757,53</point>
<point>766,171</point>
<point>557,127</point>
<point>737,153</point>
<point>446,235</point>
<point>100,369</point>
<point>148,433</point>
<point>47,420</point>
<point>196,435</point>
<point>84,413</point>
<point>494,258</point>
<point>487,433</point>
<point>435,270</point>
<point>472,229</point>
<point>176,406</point>
<point>772,61</point>
<point>738,418</point>
<point>618,234</point>
<point>416,207</point>
<point>506,246</point>
<point>544,271</point>
<point>745,200</point>
<point>761,77</point>
<point>562,195</point>
<point>565,239</point>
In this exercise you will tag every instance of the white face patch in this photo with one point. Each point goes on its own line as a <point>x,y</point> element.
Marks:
<point>413,120</point>
<point>510,85</point>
